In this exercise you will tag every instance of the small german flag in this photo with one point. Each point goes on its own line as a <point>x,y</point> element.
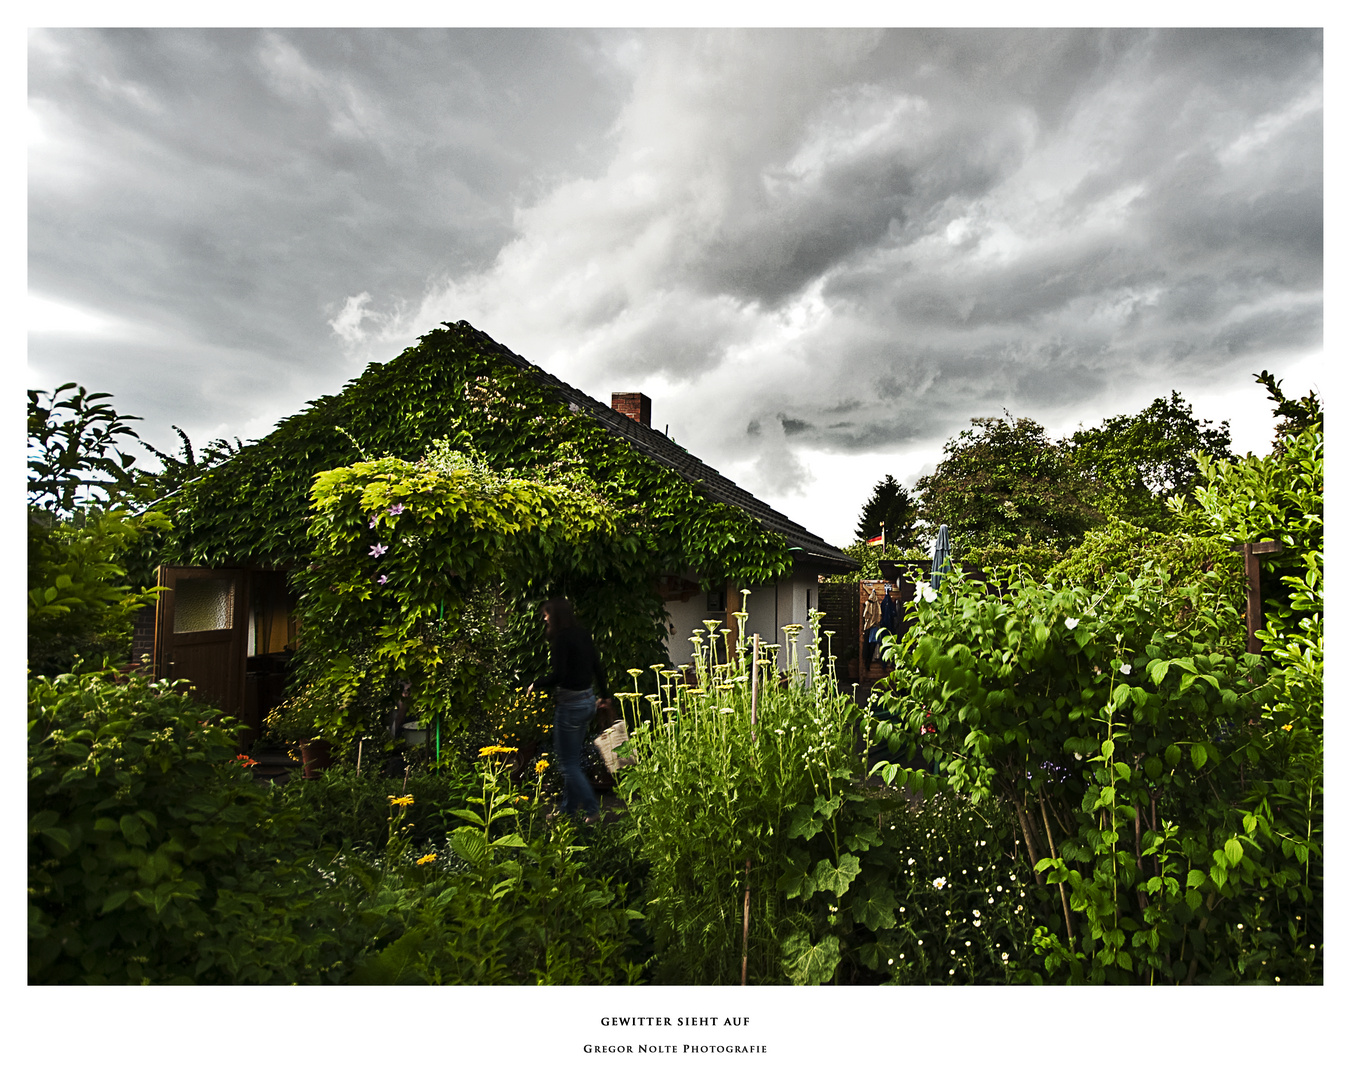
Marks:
<point>877,541</point>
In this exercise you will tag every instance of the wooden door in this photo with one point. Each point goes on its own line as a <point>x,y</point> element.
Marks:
<point>201,632</point>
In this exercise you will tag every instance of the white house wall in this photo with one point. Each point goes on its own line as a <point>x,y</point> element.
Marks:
<point>771,606</point>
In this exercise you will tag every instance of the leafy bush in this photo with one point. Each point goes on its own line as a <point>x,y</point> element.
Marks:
<point>155,858</point>
<point>1122,735</point>
<point>80,608</point>
<point>152,855</point>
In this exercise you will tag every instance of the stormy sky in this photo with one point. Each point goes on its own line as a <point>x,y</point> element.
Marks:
<point>820,253</point>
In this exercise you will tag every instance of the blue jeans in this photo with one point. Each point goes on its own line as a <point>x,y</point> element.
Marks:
<point>571,722</point>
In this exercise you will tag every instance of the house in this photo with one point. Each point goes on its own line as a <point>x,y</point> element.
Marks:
<point>226,621</point>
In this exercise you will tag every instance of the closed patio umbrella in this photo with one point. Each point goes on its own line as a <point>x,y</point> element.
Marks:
<point>942,555</point>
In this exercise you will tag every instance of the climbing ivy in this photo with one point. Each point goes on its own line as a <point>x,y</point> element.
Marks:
<point>400,552</point>
<point>458,391</point>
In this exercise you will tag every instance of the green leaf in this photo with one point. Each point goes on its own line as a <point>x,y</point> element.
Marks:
<point>115,900</point>
<point>1194,879</point>
<point>874,907</point>
<point>469,845</point>
<point>797,881</point>
<point>1198,755</point>
<point>1233,849</point>
<point>804,824</point>
<point>809,963</point>
<point>836,879</point>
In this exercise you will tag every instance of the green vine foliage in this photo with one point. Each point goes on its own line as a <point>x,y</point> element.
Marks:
<point>398,550</point>
<point>457,390</point>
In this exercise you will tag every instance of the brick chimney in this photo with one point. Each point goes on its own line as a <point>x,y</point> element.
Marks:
<point>637,407</point>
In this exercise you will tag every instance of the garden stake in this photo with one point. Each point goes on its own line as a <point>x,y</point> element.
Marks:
<point>406,770</point>
<point>1063,897</point>
<point>361,745</point>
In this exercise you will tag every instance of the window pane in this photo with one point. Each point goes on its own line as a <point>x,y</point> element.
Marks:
<point>203,604</point>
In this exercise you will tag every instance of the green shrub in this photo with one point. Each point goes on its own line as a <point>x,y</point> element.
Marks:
<point>1129,743</point>
<point>152,855</point>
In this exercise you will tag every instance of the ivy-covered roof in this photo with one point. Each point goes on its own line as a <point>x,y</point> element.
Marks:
<point>458,383</point>
<point>806,545</point>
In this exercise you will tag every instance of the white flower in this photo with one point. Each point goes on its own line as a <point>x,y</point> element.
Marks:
<point>911,861</point>
<point>1078,757</point>
<point>977,922</point>
<point>1070,623</point>
<point>939,882</point>
<point>1005,958</point>
<point>1125,669</point>
<point>926,592</point>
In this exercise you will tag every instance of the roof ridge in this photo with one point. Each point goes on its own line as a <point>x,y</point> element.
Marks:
<point>689,466</point>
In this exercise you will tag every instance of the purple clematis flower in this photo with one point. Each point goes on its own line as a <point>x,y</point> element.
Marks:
<point>376,550</point>
<point>374,520</point>
<point>382,579</point>
<point>396,509</point>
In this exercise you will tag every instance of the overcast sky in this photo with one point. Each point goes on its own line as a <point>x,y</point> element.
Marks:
<point>819,253</point>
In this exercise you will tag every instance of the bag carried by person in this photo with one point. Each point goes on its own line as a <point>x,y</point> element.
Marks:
<point>609,742</point>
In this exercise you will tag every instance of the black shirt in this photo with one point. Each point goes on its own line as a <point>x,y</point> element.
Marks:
<point>575,663</point>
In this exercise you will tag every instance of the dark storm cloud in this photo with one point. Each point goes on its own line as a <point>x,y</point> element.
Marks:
<point>235,185</point>
<point>798,241</point>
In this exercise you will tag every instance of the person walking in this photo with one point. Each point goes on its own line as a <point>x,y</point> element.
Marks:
<point>576,673</point>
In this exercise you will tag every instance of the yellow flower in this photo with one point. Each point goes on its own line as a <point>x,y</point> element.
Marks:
<point>400,800</point>
<point>427,859</point>
<point>635,671</point>
<point>540,766</point>
<point>1287,727</point>
<point>488,751</point>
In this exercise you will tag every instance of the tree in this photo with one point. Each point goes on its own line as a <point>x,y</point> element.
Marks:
<point>890,510</point>
<point>1295,416</point>
<point>75,455</point>
<point>1131,465</point>
<point>81,487</point>
<point>1003,483</point>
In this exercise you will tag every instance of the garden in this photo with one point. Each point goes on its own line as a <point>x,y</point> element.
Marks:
<point>1077,772</point>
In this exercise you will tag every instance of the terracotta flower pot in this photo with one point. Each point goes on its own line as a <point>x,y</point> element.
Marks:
<point>315,756</point>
